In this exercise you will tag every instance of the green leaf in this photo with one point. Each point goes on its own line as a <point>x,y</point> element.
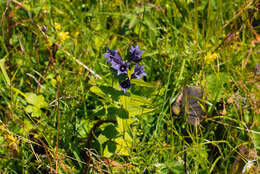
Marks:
<point>133,21</point>
<point>77,157</point>
<point>2,141</point>
<point>123,144</point>
<point>35,111</point>
<point>37,101</point>
<point>215,83</point>
<point>110,149</point>
<point>149,23</point>
<point>124,124</point>
<point>111,92</point>
<point>256,134</point>
<point>114,112</point>
<point>27,126</point>
<point>110,132</point>
<point>135,105</point>
<point>2,66</point>
<point>102,139</point>
<point>144,84</point>
<point>96,90</point>
<point>83,127</point>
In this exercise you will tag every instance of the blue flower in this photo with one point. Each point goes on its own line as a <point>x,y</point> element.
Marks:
<point>112,55</point>
<point>120,66</point>
<point>138,72</point>
<point>135,54</point>
<point>125,85</point>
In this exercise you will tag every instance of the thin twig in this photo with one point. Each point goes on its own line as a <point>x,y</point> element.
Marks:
<point>240,128</point>
<point>253,42</point>
<point>58,115</point>
<point>51,61</point>
<point>34,78</point>
<point>35,154</point>
<point>238,14</point>
<point>20,4</point>
<point>85,66</point>
<point>62,97</point>
<point>96,75</point>
<point>6,8</point>
<point>185,161</point>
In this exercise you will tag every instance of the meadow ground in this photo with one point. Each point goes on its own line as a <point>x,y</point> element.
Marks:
<point>71,103</point>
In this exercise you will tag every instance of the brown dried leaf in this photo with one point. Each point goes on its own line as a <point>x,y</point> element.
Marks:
<point>224,112</point>
<point>230,100</point>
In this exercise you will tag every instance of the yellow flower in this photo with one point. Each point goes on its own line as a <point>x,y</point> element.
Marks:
<point>11,138</point>
<point>210,57</point>
<point>62,36</point>
<point>13,142</point>
<point>76,34</point>
<point>2,128</point>
<point>45,8</point>
<point>57,26</point>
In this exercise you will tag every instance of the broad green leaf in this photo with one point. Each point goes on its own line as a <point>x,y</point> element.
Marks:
<point>98,41</point>
<point>124,124</point>
<point>124,101</point>
<point>102,139</point>
<point>123,144</point>
<point>27,125</point>
<point>114,112</point>
<point>144,84</point>
<point>110,131</point>
<point>35,111</point>
<point>36,100</point>
<point>135,105</point>
<point>83,127</point>
<point>110,91</point>
<point>2,142</point>
<point>214,83</point>
<point>138,110</point>
<point>96,90</point>
<point>110,149</point>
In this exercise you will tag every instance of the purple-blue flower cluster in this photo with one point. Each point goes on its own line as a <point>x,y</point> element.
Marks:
<point>118,64</point>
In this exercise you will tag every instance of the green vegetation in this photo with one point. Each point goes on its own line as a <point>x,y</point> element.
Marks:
<point>61,110</point>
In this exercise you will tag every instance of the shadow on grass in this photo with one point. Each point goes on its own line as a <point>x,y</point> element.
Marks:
<point>115,94</point>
